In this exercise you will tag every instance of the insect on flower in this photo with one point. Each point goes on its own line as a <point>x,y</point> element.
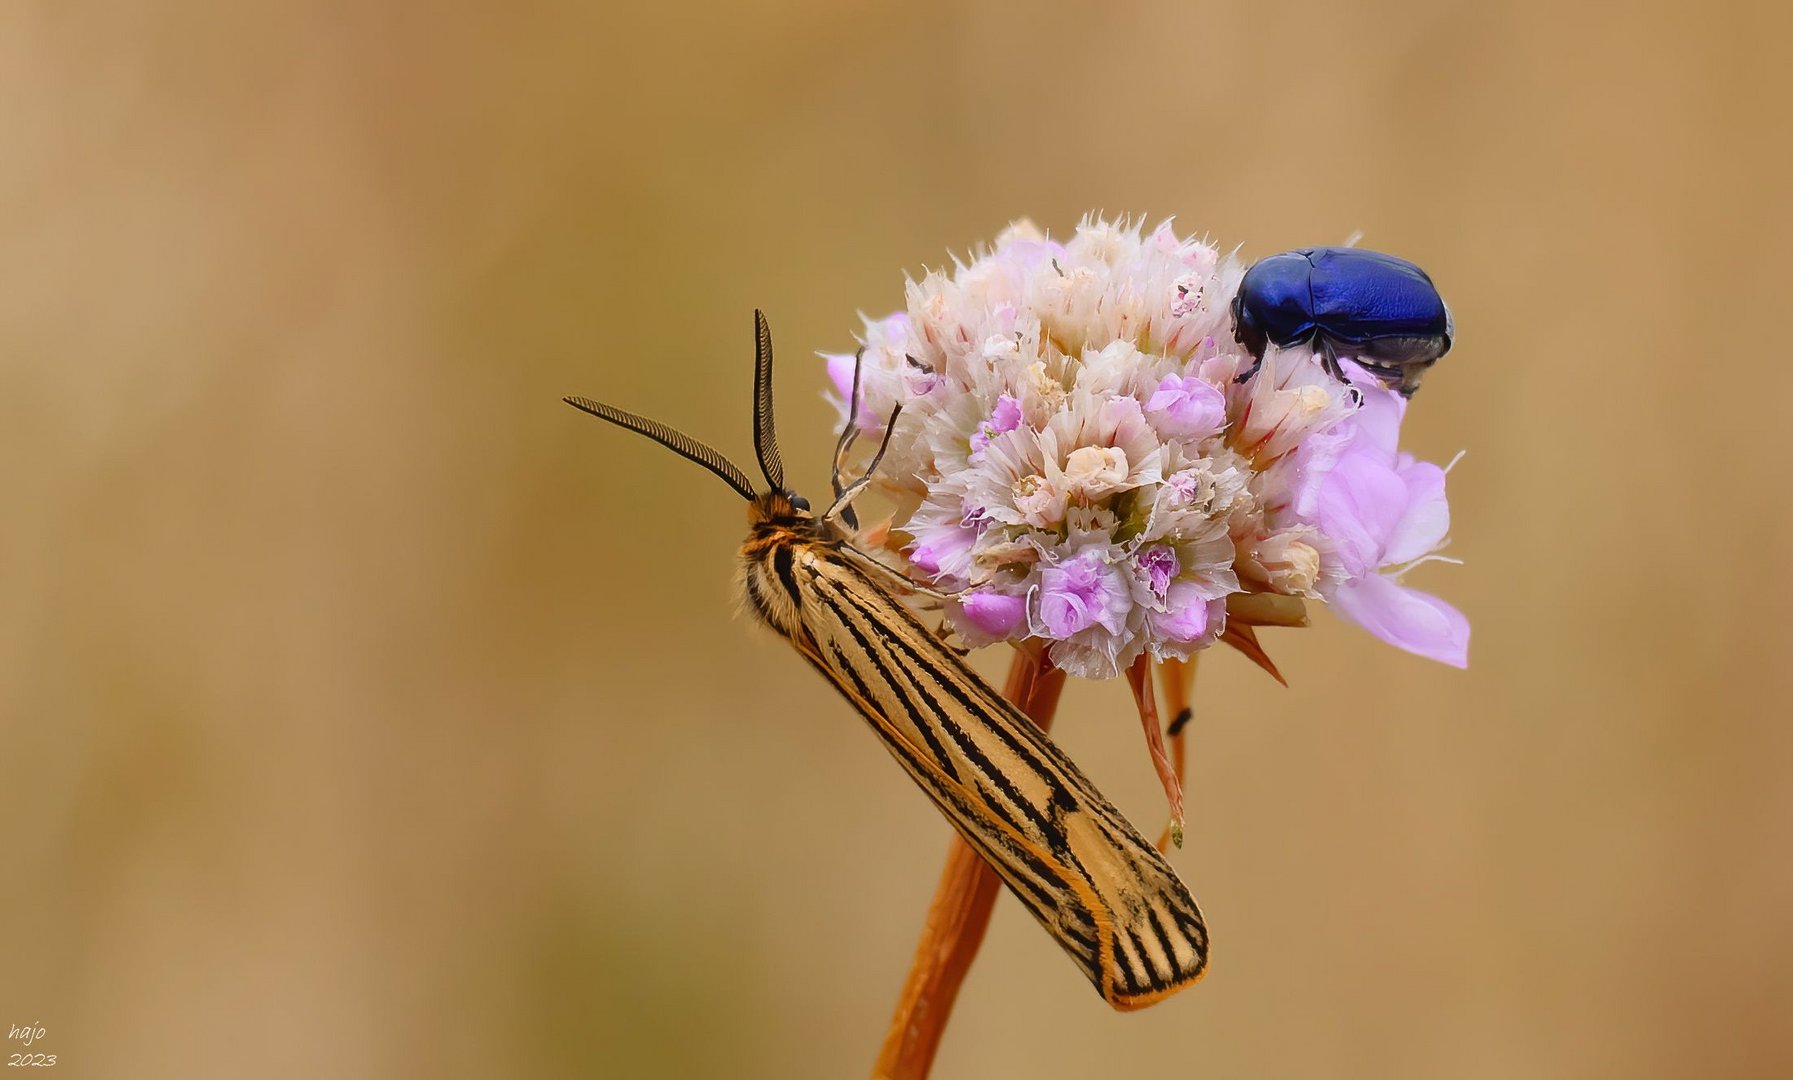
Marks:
<point>1381,311</point>
<point>1098,887</point>
<point>1080,463</point>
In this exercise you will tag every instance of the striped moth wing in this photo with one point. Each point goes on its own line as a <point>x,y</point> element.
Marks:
<point>1109,898</point>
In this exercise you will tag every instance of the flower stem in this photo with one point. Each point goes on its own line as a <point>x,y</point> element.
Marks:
<point>1139,677</point>
<point>960,912</point>
<point>1177,678</point>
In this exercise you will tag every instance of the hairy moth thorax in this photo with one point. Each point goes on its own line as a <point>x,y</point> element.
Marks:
<point>780,532</point>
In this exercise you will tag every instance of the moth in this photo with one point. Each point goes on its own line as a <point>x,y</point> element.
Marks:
<point>1103,892</point>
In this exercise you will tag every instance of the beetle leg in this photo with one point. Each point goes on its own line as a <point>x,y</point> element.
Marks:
<point>1245,376</point>
<point>1329,359</point>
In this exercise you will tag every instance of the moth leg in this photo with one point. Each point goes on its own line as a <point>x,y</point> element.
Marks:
<point>944,634</point>
<point>844,496</point>
<point>849,434</point>
<point>843,499</point>
<point>908,583</point>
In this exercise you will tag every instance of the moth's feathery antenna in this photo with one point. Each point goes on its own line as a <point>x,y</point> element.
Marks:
<point>676,441</point>
<point>765,429</point>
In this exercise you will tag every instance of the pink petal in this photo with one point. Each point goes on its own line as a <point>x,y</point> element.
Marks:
<point>996,614</point>
<point>1378,420</point>
<point>943,550</point>
<point>1407,618</point>
<point>840,373</point>
<point>1187,407</point>
<point>1427,518</point>
<point>1359,506</point>
<point>1315,459</point>
<point>1189,614</point>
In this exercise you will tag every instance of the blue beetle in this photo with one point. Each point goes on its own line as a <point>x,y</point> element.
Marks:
<point>1381,311</point>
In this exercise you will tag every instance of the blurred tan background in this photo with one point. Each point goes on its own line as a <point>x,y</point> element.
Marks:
<point>366,712</point>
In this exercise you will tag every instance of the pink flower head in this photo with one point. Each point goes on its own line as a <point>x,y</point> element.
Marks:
<point>993,613</point>
<point>1180,488</point>
<point>1082,592</point>
<point>1189,615</point>
<point>943,549</point>
<point>1187,407</point>
<point>1159,562</point>
<point>1078,461</point>
<point>1005,417</point>
<point>1382,510</point>
<point>886,375</point>
<point>1189,296</point>
<point>920,383</point>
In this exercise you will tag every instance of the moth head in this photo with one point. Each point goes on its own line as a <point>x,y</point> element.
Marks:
<point>779,508</point>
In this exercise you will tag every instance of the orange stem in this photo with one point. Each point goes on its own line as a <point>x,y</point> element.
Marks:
<point>1177,678</point>
<point>960,912</point>
<point>1139,677</point>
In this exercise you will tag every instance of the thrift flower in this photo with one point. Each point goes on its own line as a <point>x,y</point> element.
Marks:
<point>1005,417</point>
<point>1083,592</point>
<point>993,613</point>
<point>1159,562</point>
<point>1075,461</point>
<point>1384,513</point>
<point>1185,406</point>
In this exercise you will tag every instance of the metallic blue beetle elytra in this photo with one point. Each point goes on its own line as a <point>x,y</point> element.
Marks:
<point>1381,311</point>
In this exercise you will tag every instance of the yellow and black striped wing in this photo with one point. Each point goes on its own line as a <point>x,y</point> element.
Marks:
<point>1105,893</point>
